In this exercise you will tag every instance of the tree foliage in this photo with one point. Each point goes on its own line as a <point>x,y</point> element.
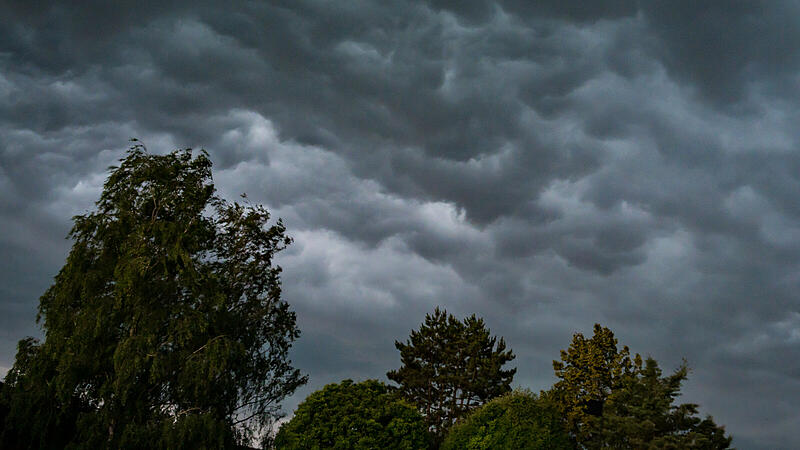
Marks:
<point>32,419</point>
<point>589,371</point>
<point>518,420</point>
<point>347,415</point>
<point>642,414</point>
<point>449,367</point>
<point>608,399</point>
<point>165,326</point>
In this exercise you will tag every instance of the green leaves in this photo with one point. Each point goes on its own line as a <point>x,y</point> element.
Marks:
<point>449,367</point>
<point>607,399</point>
<point>589,371</point>
<point>518,420</point>
<point>166,320</point>
<point>347,415</point>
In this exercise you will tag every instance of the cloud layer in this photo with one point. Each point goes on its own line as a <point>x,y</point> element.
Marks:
<point>545,166</point>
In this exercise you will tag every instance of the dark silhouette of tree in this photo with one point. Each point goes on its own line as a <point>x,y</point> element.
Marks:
<point>449,367</point>
<point>165,326</point>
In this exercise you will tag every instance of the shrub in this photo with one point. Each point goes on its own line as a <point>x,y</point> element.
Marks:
<point>349,415</point>
<point>518,420</point>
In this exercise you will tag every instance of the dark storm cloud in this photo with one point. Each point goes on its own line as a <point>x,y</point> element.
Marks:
<point>728,49</point>
<point>546,165</point>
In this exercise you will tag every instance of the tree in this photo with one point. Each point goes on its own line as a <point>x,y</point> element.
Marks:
<point>608,399</point>
<point>347,415</point>
<point>641,414</point>
<point>519,420</point>
<point>165,326</point>
<point>32,419</point>
<point>589,371</point>
<point>449,367</point>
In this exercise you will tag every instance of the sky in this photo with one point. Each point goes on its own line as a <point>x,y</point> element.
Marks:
<point>545,165</point>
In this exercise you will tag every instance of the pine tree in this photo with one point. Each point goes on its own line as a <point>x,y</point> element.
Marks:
<point>642,414</point>
<point>449,367</point>
<point>610,400</point>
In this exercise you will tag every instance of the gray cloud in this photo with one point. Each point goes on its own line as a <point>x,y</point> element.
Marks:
<point>545,165</point>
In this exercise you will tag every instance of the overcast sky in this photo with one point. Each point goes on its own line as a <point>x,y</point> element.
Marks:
<point>547,167</point>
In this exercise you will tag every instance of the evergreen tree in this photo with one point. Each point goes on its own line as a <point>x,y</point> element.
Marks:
<point>589,371</point>
<point>642,414</point>
<point>449,367</point>
<point>608,399</point>
<point>165,326</point>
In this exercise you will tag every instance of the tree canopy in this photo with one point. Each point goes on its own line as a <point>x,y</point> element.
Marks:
<point>449,367</point>
<point>518,420</point>
<point>608,399</point>
<point>589,371</point>
<point>347,415</point>
<point>165,326</point>
<point>642,414</point>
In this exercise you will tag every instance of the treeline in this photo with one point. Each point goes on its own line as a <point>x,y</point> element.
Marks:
<point>165,328</point>
<point>453,393</point>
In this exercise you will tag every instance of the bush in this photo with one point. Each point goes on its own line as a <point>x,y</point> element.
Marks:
<point>519,420</point>
<point>349,415</point>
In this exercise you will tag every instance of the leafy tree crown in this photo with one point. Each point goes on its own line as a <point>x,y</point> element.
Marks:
<point>517,420</point>
<point>165,325</point>
<point>348,415</point>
